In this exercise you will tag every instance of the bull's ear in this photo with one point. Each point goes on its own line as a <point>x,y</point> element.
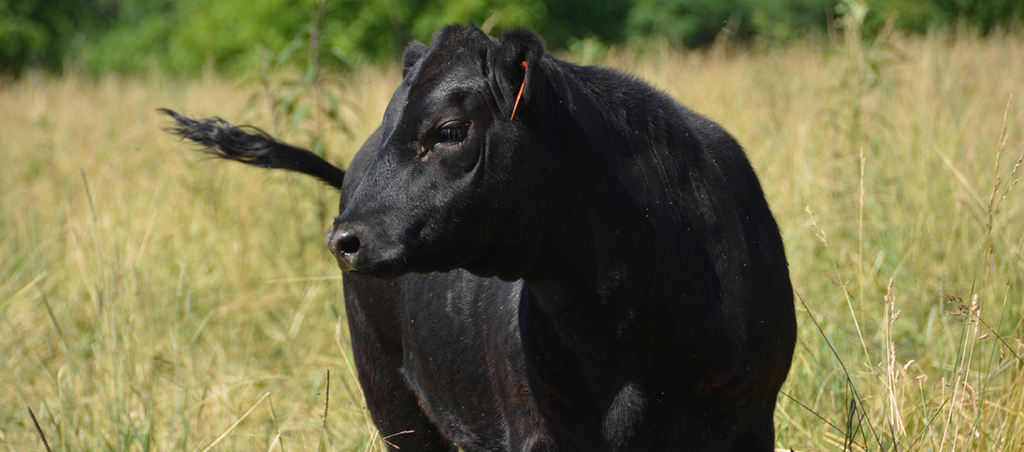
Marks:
<point>516,74</point>
<point>413,53</point>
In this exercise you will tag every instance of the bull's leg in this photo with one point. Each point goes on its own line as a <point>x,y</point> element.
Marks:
<point>394,408</point>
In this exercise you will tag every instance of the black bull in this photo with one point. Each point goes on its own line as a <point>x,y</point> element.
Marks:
<point>544,256</point>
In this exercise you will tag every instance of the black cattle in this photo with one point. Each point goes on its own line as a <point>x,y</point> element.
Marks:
<point>545,256</point>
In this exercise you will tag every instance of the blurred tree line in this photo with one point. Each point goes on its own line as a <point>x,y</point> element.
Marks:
<point>185,36</point>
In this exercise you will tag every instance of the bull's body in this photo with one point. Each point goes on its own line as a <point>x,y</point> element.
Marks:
<point>600,272</point>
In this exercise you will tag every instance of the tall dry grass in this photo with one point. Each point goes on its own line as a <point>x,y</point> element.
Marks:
<point>151,299</point>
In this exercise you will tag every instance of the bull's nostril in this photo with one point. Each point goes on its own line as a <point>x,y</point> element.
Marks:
<point>344,245</point>
<point>347,244</point>
<point>342,242</point>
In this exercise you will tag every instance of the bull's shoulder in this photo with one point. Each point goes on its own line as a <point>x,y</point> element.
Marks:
<point>632,116</point>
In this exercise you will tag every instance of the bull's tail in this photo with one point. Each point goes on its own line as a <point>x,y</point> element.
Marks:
<point>252,146</point>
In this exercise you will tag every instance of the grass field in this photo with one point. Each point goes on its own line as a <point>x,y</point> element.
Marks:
<point>151,299</point>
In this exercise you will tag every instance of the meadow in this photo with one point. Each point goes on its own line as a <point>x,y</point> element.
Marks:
<point>154,299</point>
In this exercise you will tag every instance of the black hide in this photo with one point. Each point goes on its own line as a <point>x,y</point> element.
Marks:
<point>601,272</point>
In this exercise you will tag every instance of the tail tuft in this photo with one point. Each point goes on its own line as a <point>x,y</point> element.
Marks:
<point>252,146</point>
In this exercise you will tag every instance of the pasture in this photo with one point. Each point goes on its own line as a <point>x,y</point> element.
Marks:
<point>152,299</point>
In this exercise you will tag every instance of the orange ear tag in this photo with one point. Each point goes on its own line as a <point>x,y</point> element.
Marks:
<point>515,105</point>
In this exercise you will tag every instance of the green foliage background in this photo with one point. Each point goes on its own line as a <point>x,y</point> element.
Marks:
<point>183,36</point>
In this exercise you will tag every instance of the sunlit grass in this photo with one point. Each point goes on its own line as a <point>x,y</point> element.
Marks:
<point>150,298</point>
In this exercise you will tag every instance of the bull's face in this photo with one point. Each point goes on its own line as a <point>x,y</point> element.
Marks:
<point>449,184</point>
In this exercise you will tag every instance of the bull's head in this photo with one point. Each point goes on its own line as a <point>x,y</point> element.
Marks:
<point>457,178</point>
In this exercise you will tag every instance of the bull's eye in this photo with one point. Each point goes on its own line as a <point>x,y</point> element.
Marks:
<point>451,134</point>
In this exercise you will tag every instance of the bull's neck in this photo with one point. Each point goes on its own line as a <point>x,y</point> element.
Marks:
<point>601,248</point>
<point>596,262</point>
